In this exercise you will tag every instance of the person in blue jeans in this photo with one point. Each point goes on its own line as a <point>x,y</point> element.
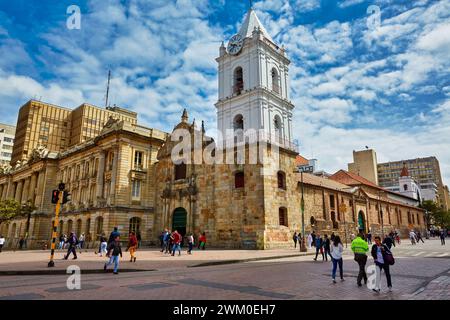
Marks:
<point>319,247</point>
<point>336,250</point>
<point>114,250</point>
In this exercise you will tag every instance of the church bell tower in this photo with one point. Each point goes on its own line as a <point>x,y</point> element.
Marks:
<point>254,84</point>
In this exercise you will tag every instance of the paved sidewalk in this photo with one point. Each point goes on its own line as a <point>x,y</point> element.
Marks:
<point>35,262</point>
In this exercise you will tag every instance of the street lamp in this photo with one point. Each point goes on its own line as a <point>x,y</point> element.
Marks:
<point>343,210</point>
<point>302,205</point>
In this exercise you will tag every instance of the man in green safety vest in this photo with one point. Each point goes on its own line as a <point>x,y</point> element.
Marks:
<point>359,248</point>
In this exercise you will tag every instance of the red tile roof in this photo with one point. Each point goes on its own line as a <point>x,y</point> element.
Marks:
<point>352,179</point>
<point>301,161</point>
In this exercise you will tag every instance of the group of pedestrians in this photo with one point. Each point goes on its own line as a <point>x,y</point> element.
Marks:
<point>380,251</point>
<point>114,248</point>
<point>171,242</point>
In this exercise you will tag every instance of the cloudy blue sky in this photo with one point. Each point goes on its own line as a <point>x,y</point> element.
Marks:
<point>353,83</point>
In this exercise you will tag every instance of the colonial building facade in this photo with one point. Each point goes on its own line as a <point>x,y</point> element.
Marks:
<point>127,175</point>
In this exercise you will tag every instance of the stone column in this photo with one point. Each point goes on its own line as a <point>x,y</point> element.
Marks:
<point>4,191</point>
<point>19,189</point>
<point>40,189</point>
<point>25,192</point>
<point>100,177</point>
<point>11,189</point>
<point>32,193</point>
<point>112,192</point>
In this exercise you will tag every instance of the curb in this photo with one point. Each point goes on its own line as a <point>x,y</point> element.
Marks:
<point>218,263</point>
<point>64,272</point>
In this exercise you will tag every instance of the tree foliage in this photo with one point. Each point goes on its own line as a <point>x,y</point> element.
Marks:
<point>9,209</point>
<point>436,214</point>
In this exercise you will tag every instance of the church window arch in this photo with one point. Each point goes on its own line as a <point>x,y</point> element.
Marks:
<point>238,81</point>
<point>238,122</point>
<point>275,80</point>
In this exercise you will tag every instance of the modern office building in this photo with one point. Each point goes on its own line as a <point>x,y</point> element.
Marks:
<point>57,128</point>
<point>7,135</point>
<point>425,171</point>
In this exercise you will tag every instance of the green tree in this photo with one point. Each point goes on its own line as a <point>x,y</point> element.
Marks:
<point>9,209</point>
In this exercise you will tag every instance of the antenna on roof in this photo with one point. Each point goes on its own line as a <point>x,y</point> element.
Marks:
<point>107,88</point>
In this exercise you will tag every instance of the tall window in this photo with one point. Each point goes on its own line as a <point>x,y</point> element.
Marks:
<point>333,220</point>
<point>405,187</point>
<point>277,128</point>
<point>281,177</point>
<point>135,224</point>
<point>275,81</point>
<point>238,122</point>
<point>180,171</point>
<point>239,181</point>
<point>138,156</point>
<point>238,81</point>
<point>282,216</point>
<point>136,189</point>
<point>332,203</point>
<point>98,226</point>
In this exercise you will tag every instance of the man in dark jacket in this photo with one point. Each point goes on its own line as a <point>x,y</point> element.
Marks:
<point>319,247</point>
<point>388,242</point>
<point>326,247</point>
<point>72,241</point>
<point>114,250</point>
<point>115,233</point>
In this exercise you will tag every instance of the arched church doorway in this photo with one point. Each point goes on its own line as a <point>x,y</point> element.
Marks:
<point>361,221</point>
<point>179,220</point>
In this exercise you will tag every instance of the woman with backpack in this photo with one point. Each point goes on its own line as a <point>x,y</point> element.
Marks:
<point>383,258</point>
<point>336,250</point>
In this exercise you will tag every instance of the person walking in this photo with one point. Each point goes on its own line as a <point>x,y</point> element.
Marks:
<point>2,242</point>
<point>61,241</point>
<point>176,237</point>
<point>360,248</point>
<point>397,237</point>
<point>388,242</point>
<point>419,237</point>
<point>81,242</point>
<point>295,238</point>
<point>166,241</point>
<point>114,234</point>
<point>442,236</point>
<point>309,239</point>
<point>21,242</point>
<point>412,237</point>
<point>72,241</point>
<point>132,246</point>
<point>114,250</point>
<point>332,236</point>
<point>336,256</point>
<point>327,248</point>
<point>369,237</point>
<point>190,243</point>
<point>103,246</point>
<point>319,247</point>
<point>380,256</point>
<point>202,241</point>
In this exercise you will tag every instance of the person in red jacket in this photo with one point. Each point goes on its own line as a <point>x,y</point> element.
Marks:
<point>202,241</point>
<point>176,238</point>
<point>132,246</point>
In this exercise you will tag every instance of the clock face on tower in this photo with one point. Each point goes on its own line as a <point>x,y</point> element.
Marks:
<point>235,44</point>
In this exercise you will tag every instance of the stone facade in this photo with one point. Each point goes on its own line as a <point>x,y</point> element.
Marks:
<point>99,175</point>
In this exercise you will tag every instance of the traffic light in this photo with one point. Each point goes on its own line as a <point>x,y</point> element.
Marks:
<point>66,197</point>
<point>55,196</point>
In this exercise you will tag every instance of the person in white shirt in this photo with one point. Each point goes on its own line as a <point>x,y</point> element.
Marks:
<point>412,236</point>
<point>2,242</point>
<point>336,254</point>
<point>310,240</point>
